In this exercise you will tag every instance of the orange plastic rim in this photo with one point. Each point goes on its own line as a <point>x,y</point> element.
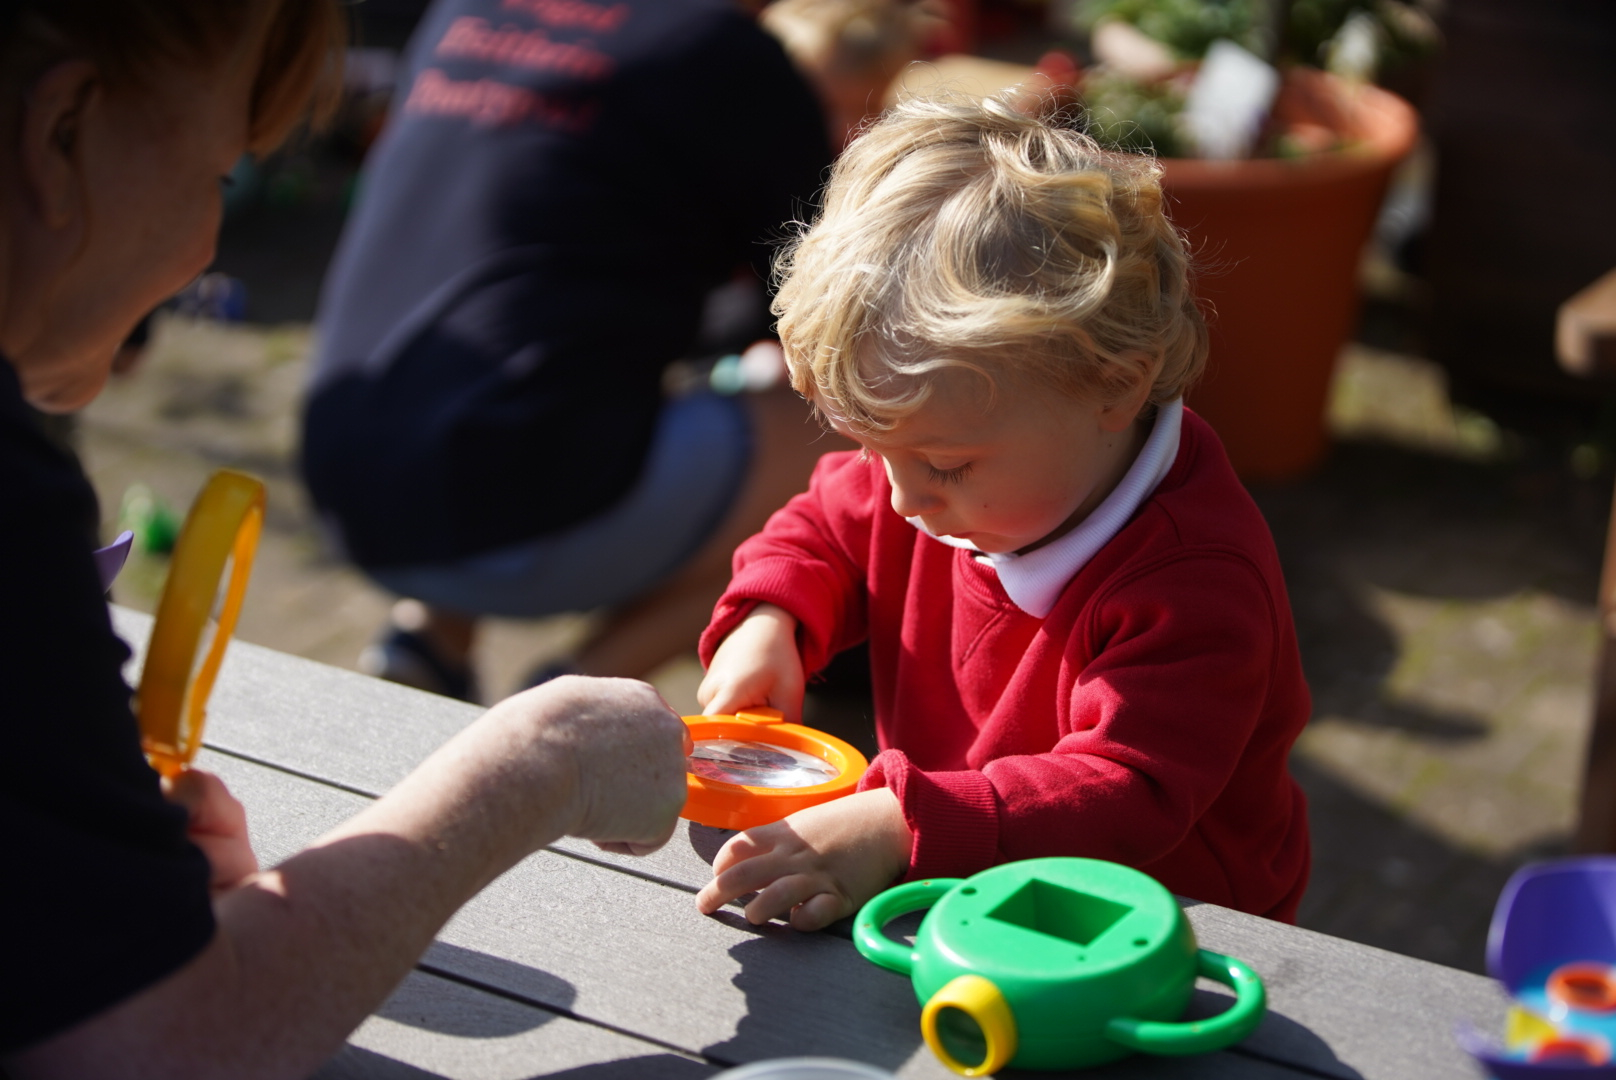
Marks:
<point>1584,986</point>
<point>741,806</point>
<point>1568,1049</point>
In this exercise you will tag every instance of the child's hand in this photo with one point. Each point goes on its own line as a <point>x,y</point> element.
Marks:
<point>758,664</point>
<point>820,864</point>
<point>218,826</point>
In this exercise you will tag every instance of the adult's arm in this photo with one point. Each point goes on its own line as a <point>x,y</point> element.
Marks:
<point>306,950</point>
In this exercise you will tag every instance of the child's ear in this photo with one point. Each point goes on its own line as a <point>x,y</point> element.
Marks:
<point>1126,407</point>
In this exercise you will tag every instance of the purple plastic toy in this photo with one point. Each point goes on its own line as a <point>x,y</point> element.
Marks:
<point>1549,915</point>
<point>110,559</point>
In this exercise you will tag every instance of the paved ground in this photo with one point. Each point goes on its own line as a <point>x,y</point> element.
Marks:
<point>1442,570</point>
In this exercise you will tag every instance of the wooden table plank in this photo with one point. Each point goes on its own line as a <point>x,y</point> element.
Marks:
<point>432,1027</point>
<point>635,949</point>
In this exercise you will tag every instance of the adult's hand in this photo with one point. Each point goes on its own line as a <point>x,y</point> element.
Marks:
<point>624,750</point>
<point>218,825</point>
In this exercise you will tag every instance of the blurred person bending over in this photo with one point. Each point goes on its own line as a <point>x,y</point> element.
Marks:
<point>559,190</point>
<point>143,939</point>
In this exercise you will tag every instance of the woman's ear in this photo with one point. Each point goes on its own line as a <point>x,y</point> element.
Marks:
<point>49,147</point>
<point>1125,408</point>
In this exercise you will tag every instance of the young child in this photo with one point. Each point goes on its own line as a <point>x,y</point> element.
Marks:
<point>1080,641</point>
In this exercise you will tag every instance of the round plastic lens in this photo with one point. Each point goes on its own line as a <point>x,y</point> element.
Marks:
<point>962,1037</point>
<point>758,764</point>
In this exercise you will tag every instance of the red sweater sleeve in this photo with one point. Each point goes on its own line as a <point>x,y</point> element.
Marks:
<point>1165,678</point>
<point>810,560</point>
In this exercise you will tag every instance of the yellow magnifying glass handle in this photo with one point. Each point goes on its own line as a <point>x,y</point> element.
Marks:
<point>224,524</point>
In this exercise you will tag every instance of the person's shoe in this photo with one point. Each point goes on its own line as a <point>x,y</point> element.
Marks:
<point>407,658</point>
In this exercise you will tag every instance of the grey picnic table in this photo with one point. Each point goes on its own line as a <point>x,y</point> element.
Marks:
<point>578,963</point>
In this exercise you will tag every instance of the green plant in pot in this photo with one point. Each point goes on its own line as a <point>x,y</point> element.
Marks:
<point>1280,215</point>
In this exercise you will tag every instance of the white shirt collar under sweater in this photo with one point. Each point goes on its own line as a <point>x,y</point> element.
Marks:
<point>1034,581</point>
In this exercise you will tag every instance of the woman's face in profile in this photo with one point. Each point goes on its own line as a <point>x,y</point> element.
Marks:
<point>128,213</point>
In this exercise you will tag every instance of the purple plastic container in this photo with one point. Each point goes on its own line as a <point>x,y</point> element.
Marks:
<point>1548,914</point>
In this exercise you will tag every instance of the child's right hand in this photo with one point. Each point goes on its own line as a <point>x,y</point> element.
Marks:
<point>758,664</point>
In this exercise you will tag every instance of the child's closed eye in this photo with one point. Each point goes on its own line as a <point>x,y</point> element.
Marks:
<point>949,476</point>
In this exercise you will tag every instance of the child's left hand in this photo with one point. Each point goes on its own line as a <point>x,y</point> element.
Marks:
<point>820,864</point>
<point>218,826</point>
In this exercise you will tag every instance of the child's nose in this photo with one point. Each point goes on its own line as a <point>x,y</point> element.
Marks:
<point>910,498</point>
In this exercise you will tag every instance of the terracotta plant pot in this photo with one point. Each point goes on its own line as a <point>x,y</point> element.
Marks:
<point>1279,243</point>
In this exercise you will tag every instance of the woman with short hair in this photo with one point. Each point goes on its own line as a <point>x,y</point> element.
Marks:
<point>143,940</point>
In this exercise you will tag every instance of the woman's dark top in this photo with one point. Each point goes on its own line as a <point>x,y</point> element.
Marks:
<point>103,895</point>
<point>560,184</point>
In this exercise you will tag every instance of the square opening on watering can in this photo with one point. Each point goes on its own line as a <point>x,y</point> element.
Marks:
<point>1047,908</point>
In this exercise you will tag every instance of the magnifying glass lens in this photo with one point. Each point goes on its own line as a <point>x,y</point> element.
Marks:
<point>758,764</point>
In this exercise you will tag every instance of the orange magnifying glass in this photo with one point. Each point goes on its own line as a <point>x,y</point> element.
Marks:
<point>753,768</point>
<point>224,525</point>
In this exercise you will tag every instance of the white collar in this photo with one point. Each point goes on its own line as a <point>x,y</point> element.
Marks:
<point>1034,581</point>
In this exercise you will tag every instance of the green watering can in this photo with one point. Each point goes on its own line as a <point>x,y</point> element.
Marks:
<point>1055,964</point>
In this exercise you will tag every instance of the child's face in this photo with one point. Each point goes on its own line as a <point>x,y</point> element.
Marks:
<point>1007,475</point>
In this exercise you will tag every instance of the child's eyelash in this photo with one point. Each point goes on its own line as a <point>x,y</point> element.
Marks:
<point>950,476</point>
<point>938,476</point>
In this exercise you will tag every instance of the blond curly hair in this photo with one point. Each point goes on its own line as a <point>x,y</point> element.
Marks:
<point>965,234</point>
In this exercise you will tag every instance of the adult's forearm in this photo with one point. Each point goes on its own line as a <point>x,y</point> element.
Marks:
<point>306,951</point>
<point>321,941</point>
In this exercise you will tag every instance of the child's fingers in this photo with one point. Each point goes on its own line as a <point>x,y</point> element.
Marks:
<point>724,688</point>
<point>744,865</point>
<point>746,845</point>
<point>820,910</point>
<point>788,700</point>
<point>729,697</point>
<point>710,897</point>
<point>744,877</point>
<point>718,892</point>
<point>781,897</point>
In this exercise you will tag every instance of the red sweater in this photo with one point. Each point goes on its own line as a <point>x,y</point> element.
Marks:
<point>1146,720</point>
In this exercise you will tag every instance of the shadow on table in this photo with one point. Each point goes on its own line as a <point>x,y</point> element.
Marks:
<point>493,1017</point>
<point>706,840</point>
<point>797,1005</point>
<point>1279,1040</point>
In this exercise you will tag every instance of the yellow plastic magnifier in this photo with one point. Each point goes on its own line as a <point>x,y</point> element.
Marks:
<point>224,523</point>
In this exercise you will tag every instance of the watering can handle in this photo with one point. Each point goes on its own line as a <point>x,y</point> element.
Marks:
<point>869,927</point>
<point>1200,1036</point>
